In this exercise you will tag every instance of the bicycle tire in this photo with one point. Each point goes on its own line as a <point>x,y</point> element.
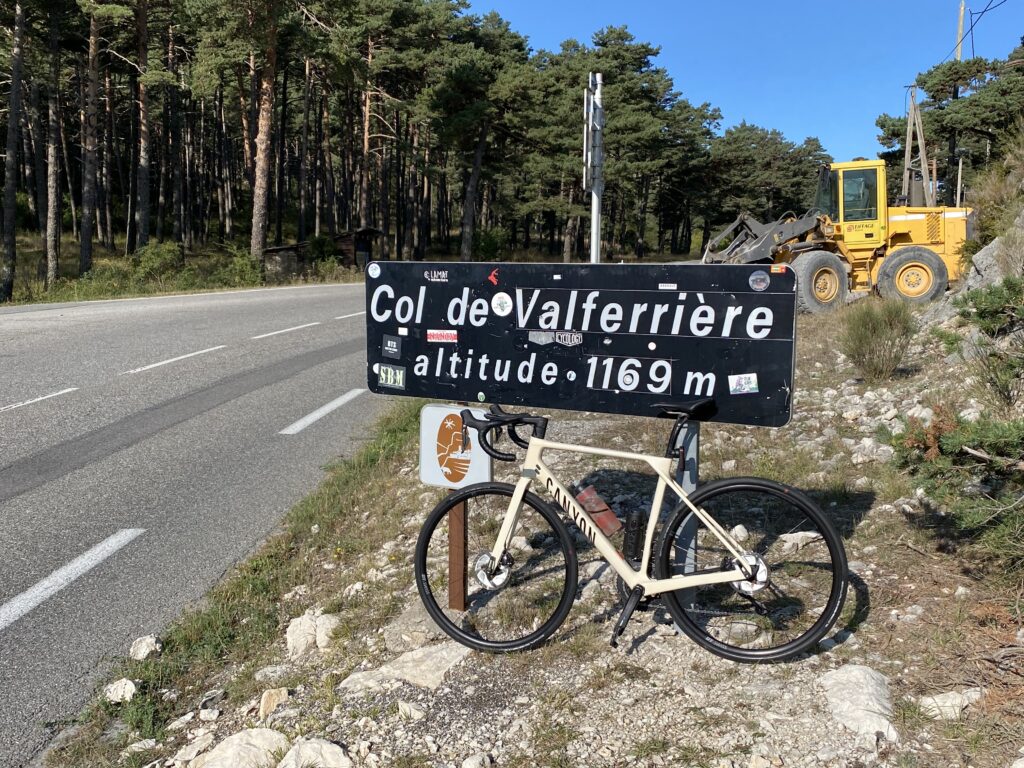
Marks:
<point>538,589</point>
<point>782,522</point>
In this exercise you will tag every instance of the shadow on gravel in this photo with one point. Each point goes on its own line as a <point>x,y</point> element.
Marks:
<point>625,491</point>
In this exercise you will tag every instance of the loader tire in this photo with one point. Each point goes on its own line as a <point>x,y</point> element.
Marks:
<point>821,282</point>
<point>913,274</point>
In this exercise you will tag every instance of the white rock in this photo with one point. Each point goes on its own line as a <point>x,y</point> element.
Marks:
<point>139,746</point>
<point>410,711</point>
<point>315,752</point>
<point>271,700</point>
<point>1018,763</point>
<point>411,629</point>
<point>480,760</point>
<point>189,752</point>
<point>794,542</point>
<point>252,748</point>
<point>961,592</point>
<point>729,465</point>
<point>271,673</point>
<point>325,627</point>
<point>353,589</point>
<point>859,699</point>
<point>301,636</point>
<point>119,691</point>
<point>209,715</point>
<point>740,533</point>
<point>425,667</point>
<point>181,722</point>
<point>144,647</point>
<point>950,705</point>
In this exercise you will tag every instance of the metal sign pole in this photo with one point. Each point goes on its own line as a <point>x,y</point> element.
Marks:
<point>593,160</point>
<point>687,471</point>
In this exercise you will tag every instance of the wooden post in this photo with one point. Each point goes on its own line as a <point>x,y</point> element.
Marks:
<point>457,566</point>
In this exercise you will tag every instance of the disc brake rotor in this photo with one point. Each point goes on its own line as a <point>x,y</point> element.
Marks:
<point>489,576</point>
<point>759,578</point>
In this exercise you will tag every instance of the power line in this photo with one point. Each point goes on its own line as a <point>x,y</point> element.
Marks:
<point>990,6</point>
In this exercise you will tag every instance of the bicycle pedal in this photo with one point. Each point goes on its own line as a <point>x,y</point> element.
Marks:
<point>635,596</point>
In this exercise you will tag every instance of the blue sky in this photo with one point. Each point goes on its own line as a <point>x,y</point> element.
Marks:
<point>824,69</point>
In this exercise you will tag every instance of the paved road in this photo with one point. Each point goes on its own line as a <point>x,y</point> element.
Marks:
<point>145,446</point>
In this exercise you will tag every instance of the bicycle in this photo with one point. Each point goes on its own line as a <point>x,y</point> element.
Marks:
<point>748,568</point>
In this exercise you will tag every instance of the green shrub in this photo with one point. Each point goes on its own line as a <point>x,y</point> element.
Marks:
<point>876,336</point>
<point>951,342</point>
<point>488,245</point>
<point>995,309</point>
<point>998,370</point>
<point>976,471</point>
<point>158,261</point>
<point>241,271</point>
<point>321,248</point>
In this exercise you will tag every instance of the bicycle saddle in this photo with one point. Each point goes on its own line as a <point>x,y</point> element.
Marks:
<point>697,410</point>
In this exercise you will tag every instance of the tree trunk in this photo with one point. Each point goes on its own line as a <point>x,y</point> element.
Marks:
<point>36,128</point>
<point>7,266</point>
<point>107,231</point>
<point>261,189</point>
<point>53,217</point>
<point>282,149</point>
<point>174,153</point>
<point>469,200</point>
<point>89,160</point>
<point>142,173</point>
<point>243,110</point>
<point>304,159</point>
<point>364,166</point>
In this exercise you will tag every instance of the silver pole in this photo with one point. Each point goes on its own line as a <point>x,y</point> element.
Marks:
<point>597,182</point>
<point>959,181</point>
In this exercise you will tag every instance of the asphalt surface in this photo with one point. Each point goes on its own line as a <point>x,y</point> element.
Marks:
<point>129,484</point>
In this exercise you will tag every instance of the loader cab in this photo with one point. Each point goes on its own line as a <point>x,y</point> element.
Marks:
<point>853,196</point>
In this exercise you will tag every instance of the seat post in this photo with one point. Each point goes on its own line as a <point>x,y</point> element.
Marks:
<point>686,447</point>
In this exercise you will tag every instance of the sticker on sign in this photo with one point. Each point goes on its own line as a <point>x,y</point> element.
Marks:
<point>445,460</point>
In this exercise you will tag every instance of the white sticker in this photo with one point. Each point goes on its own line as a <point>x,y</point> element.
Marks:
<point>373,270</point>
<point>403,331</point>
<point>442,336</point>
<point>743,384</point>
<point>759,280</point>
<point>502,304</point>
<point>667,286</point>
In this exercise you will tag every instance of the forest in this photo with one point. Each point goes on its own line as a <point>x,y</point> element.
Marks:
<point>144,130</point>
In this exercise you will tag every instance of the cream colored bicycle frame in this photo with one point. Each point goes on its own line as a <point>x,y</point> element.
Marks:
<point>534,468</point>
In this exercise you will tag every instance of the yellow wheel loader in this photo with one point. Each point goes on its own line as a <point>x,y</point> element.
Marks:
<point>852,240</point>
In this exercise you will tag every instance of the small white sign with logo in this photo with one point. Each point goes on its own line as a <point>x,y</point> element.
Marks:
<point>444,460</point>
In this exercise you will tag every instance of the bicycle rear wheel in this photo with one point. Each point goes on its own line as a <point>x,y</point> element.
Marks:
<point>799,583</point>
<point>521,604</point>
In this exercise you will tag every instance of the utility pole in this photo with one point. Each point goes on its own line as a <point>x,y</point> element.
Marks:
<point>593,158</point>
<point>951,194</point>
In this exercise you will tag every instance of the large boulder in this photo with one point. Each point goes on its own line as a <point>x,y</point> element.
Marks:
<point>252,748</point>
<point>859,699</point>
<point>315,752</point>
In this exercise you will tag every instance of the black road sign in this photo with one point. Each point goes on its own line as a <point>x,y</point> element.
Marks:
<point>612,338</point>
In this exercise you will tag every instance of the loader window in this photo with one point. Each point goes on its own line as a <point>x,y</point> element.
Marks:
<point>860,195</point>
<point>827,198</point>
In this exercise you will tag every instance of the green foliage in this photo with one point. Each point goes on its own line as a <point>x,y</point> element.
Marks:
<point>490,244</point>
<point>995,309</point>
<point>951,342</point>
<point>998,369</point>
<point>157,261</point>
<point>242,270</point>
<point>981,121</point>
<point>875,336</point>
<point>976,471</point>
<point>321,247</point>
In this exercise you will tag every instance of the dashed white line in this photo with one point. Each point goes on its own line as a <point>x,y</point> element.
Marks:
<point>172,360</point>
<point>38,399</point>
<point>21,604</point>
<point>354,314</point>
<point>319,413</point>
<point>285,330</point>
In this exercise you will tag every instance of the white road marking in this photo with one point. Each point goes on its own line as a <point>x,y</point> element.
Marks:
<point>354,314</point>
<point>319,413</point>
<point>172,360</point>
<point>21,604</point>
<point>37,399</point>
<point>285,330</point>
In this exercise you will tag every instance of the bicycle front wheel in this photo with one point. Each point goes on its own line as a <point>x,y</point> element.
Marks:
<point>796,557</point>
<point>513,605</point>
